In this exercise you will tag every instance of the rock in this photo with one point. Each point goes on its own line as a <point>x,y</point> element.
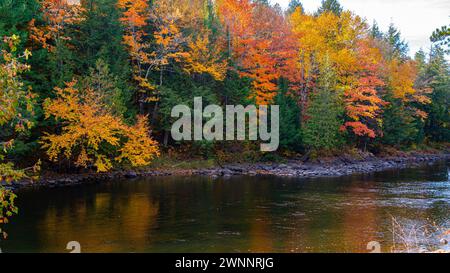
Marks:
<point>236,169</point>
<point>443,241</point>
<point>344,165</point>
<point>227,172</point>
<point>131,175</point>
<point>266,168</point>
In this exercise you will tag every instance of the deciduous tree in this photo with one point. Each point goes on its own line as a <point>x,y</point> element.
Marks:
<point>91,136</point>
<point>362,99</point>
<point>16,111</point>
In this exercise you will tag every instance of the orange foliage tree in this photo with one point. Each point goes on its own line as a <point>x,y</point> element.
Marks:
<point>134,19</point>
<point>257,37</point>
<point>362,98</point>
<point>57,14</point>
<point>179,37</point>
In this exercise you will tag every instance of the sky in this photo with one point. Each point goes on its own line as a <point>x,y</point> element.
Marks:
<point>416,19</point>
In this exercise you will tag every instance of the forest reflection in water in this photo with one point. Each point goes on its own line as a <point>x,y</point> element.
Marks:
<point>238,214</point>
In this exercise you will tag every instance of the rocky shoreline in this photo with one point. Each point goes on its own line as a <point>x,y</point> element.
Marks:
<point>292,168</point>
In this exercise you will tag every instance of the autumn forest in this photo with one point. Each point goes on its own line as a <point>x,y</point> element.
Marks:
<point>89,85</point>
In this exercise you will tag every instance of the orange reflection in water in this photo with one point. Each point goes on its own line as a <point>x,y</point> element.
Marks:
<point>359,220</point>
<point>113,218</point>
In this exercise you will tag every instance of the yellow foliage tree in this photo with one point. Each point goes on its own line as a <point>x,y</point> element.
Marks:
<point>402,76</point>
<point>16,103</point>
<point>325,37</point>
<point>203,57</point>
<point>134,19</point>
<point>16,107</point>
<point>91,135</point>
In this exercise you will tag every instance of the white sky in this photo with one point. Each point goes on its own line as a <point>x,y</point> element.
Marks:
<point>416,19</point>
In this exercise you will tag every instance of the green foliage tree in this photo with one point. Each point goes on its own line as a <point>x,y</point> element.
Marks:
<point>322,130</point>
<point>330,6</point>
<point>15,15</point>
<point>293,5</point>
<point>290,131</point>
<point>442,37</point>
<point>99,36</point>
<point>106,86</point>
<point>437,127</point>
<point>375,31</point>
<point>399,126</point>
<point>180,91</point>
<point>398,46</point>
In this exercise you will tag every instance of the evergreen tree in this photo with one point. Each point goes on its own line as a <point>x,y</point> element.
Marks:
<point>421,83</point>
<point>375,31</point>
<point>330,6</point>
<point>293,5</point>
<point>442,37</point>
<point>399,48</point>
<point>15,15</point>
<point>290,131</point>
<point>100,37</point>
<point>106,87</point>
<point>438,72</point>
<point>101,53</point>
<point>322,129</point>
<point>399,126</point>
<point>63,63</point>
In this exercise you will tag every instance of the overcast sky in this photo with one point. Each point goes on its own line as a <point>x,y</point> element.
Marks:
<point>416,19</point>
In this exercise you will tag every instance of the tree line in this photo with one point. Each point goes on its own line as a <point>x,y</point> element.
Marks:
<point>90,84</point>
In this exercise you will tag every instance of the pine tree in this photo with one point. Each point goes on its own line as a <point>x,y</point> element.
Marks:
<point>375,31</point>
<point>442,37</point>
<point>15,15</point>
<point>100,37</point>
<point>293,5</point>
<point>399,126</point>
<point>399,48</point>
<point>290,131</point>
<point>106,87</point>
<point>322,129</point>
<point>330,6</point>
<point>438,72</point>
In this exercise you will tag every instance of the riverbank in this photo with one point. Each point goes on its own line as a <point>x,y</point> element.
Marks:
<point>333,167</point>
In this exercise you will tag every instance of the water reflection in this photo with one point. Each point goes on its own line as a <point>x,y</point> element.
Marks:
<point>240,214</point>
<point>101,222</point>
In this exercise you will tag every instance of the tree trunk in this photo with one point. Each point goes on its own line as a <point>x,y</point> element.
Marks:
<point>166,138</point>
<point>154,113</point>
<point>141,104</point>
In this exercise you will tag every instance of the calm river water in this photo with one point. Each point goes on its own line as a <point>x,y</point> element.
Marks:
<point>239,214</point>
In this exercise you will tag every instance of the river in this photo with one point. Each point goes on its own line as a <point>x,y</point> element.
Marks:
<point>237,214</point>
